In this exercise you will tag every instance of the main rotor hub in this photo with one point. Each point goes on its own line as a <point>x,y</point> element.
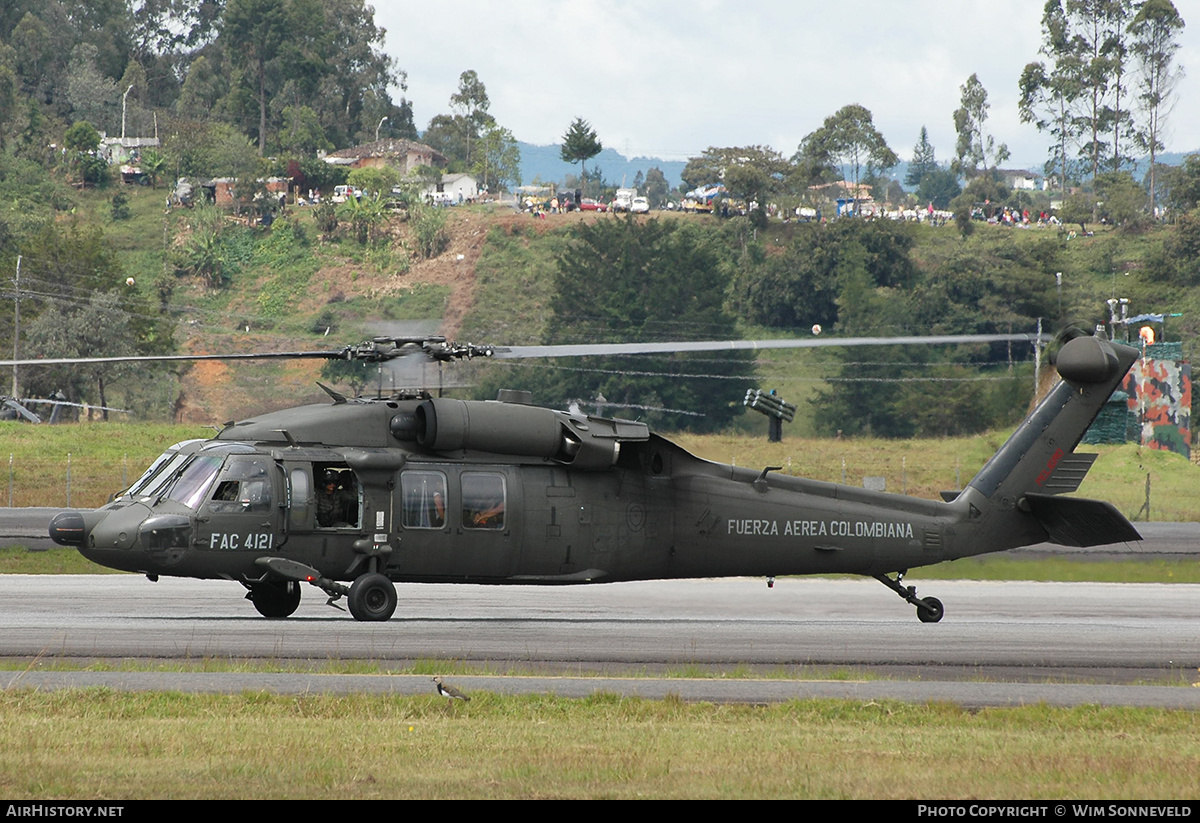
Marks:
<point>383,349</point>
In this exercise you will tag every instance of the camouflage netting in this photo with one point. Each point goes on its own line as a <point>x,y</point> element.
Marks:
<point>1154,406</point>
<point>1116,423</point>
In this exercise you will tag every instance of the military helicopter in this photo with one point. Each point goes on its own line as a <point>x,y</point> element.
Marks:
<point>354,495</point>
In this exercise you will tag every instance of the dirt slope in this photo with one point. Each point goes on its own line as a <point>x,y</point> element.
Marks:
<point>212,392</point>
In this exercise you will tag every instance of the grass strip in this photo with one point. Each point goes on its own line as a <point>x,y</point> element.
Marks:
<point>97,743</point>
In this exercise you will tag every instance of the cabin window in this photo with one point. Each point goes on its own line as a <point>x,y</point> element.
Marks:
<point>424,496</point>
<point>300,494</point>
<point>338,496</point>
<point>483,500</point>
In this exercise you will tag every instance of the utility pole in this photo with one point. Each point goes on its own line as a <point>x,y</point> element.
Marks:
<point>16,326</point>
<point>123,97</point>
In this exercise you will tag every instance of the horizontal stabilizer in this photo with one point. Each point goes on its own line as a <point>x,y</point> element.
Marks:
<point>1074,521</point>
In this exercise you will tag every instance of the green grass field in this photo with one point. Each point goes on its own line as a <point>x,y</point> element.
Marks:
<point>101,744</point>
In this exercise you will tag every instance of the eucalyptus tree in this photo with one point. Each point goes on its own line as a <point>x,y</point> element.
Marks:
<point>1155,31</point>
<point>975,147</point>
<point>498,159</point>
<point>1050,90</point>
<point>470,104</point>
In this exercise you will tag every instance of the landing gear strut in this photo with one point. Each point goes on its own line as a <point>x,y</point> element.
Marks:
<point>372,596</point>
<point>929,609</point>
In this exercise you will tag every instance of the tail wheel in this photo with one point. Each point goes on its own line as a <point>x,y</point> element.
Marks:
<point>929,610</point>
<point>275,600</point>
<point>372,597</point>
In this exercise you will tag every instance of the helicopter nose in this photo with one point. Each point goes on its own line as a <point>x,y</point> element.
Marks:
<point>114,528</point>
<point>68,529</point>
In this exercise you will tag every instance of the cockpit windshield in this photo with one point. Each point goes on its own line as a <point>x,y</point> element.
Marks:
<point>194,480</point>
<point>160,470</point>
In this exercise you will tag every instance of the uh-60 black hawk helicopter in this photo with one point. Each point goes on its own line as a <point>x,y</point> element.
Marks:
<point>355,495</point>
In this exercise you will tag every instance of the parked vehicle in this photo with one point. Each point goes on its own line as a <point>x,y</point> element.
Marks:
<point>343,193</point>
<point>624,199</point>
<point>701,199</point>
<point>588,204</point>
<point>640,205</point>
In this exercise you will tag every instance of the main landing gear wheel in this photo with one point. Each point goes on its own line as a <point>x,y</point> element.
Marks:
<point>929,609</point>
<point>273,599</point>
<point>372,597</point>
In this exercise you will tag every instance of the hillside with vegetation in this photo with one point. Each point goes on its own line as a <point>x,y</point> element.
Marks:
<point>204,281</point>
<point>254,89</point>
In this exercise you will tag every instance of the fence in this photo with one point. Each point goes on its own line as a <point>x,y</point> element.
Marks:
<point>68,481</point>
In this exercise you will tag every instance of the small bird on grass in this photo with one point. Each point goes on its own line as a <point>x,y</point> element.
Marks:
<point>449,692</point>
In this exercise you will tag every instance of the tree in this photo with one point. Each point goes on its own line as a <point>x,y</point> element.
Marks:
<point>975,147</point>
<point>375,180</point>
<point>632,281</point>
<point>82,140</point>
<point>93,96</point>
<point>301,132</point>
<point>154,164</point>
<point>807,283</point>
<point>1049,93</point>
<point>1183,181</point>
<point>254,32</point>
<point>470,104</point>
<point>1097,39</point>
<point>749,173</point>
<point>939,187</point>
<point>498,161</point>
<point>366,214</point>
<point>849,138</point>
<point>97,329</point>
<point>923,161</point>
<point>657,188</point>
<point>1155,32</point>
<point>1123,200</point>
<point>580,144</point>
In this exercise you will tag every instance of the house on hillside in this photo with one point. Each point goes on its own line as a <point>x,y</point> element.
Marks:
<point>223,190</point>
<point>404,155</point>
<point>124,150</point>
<point>1019,179</point>
<point>452,188</point>
<point>849,198</point>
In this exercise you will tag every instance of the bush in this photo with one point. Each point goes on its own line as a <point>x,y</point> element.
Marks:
<point>430,227</point>
<point>120,206</point>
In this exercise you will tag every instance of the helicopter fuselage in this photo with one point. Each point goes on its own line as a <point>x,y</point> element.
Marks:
<point>439,490</point>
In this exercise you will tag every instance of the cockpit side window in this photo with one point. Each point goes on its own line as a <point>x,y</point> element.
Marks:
<point>244,486</point>
<point>424,494</point>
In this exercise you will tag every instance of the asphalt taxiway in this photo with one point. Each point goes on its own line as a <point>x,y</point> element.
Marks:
<point>1001,643</point>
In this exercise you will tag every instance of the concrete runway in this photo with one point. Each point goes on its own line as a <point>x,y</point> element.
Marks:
<point>999,644</point>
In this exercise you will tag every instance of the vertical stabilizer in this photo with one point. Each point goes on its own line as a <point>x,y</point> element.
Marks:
<point>1020,476</point>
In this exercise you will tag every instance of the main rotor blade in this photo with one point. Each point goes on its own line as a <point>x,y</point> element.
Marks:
<point>385,349</point>
<point>583,350</point>
<point>173,358</point>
